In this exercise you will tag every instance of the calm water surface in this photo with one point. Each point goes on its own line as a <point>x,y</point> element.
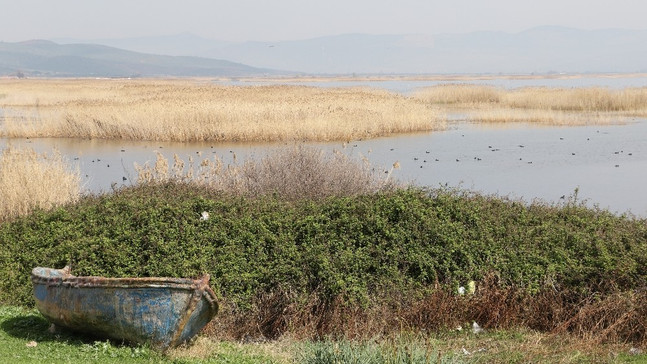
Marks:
<point>607,164</point>
<point>408,86</point>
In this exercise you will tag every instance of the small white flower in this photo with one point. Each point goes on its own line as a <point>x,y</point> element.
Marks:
<point>461,290</point>
<point>204,216</point>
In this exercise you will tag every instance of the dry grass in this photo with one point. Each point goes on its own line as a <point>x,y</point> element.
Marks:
<point>461,94</point>
<point>187,110</point>
<point>194,110</point>
<point>501,115</point>
<point>29,180</point>
<point>202,348</point>
<point>498,346</point>
<point>547,327</point>
<point>556,106</point>
<point>595,319</point>
<point>291,173</point>
<point>594,99</point>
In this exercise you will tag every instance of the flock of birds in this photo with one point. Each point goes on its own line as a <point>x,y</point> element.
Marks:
<point>493,149</point>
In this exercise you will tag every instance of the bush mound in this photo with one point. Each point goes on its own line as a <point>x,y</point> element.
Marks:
<point>354,265</point>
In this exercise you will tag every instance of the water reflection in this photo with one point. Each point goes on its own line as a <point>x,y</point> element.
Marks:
<point>608,164</point>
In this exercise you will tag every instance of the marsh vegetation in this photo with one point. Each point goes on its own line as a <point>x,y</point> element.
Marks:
<point>292,173</point>
<point>30,180</point>
<point>555,106</point>
<point>308,246</point>
<point>184,110</point>
<point>189,111</point>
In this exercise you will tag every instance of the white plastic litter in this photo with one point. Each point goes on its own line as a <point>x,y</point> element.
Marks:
<point>476,328</point>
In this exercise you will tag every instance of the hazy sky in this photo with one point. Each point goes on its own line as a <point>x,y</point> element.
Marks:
<point>273,20</point>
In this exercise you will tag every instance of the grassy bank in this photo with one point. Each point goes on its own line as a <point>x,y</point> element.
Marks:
<point>24,338</point>
<point>354,266</point>
<point>186,110</point>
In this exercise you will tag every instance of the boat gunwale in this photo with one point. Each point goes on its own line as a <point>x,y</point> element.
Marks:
<point>68,280</point>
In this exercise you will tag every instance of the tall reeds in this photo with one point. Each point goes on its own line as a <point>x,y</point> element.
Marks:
<point>186,110</point>
<point>194,110</point>
<point>538,104</point>
<point>29,180</point>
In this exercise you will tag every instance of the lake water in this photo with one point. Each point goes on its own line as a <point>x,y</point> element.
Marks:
<point>407,86</point>
<point>606,163</point>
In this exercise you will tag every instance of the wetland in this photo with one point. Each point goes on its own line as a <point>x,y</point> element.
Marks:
<point>529,138</point>
<point>519,194</point>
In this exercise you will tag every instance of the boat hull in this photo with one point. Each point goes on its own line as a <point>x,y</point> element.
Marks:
<point>164,312</point>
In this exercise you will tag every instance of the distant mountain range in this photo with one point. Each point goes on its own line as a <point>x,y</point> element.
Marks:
<point>547,49</point>
<point>538,50</point>
<point>49,59</point>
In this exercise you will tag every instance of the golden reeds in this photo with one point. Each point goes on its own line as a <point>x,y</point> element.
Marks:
<point>463,94</point>
<point>194,110</point>
<point>29,180</point>
<point>186,110</point>
<point>559,106</point>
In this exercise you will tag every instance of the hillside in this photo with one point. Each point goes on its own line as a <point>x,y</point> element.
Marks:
<point>46,58</point>
<point>540,50</point>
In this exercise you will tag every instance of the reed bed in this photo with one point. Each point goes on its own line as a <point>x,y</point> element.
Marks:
<point>556,106</point>
<point>29,180</point>
<point>189,110</point>
<point>292,173</point>
<point>195,110</point>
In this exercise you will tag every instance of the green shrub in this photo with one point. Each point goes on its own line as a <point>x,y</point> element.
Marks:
<point>405,242</point>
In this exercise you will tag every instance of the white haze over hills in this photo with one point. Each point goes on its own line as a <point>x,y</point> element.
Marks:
<point>544,49</point>
<point>42,58</point>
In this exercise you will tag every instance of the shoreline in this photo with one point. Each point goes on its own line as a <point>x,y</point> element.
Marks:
<point>430,77</point>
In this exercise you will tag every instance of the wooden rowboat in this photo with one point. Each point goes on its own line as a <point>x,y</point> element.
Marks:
<point>164,312</point>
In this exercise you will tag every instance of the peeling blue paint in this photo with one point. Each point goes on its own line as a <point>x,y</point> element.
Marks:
<point>164,312</point>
